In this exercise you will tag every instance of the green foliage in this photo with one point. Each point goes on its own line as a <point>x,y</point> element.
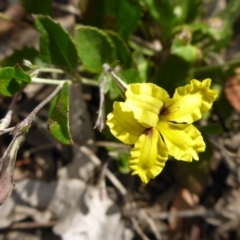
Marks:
<point>56,46</point>
<point>122,50</point>
<point>172,73</point>
<point>169,14</point>
<point>183,48</point>
<point>160,41</point>
<point>12,80</point>
<point>230,12</point>
<point>214,128</point>
<point>94,48</point>
<point>38,6</point>
<point>116,12</point>
<point>122,163</point>
<point>187,52</point>
<point>17,57</point>
<point>58,118</point>
<point>142,64</point>
<point>129,76</point>
<point>120,16</point>
<point>216,33</point>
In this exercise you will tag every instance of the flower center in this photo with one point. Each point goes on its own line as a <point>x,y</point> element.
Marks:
<point>164,111</point>
<point>148,131</point>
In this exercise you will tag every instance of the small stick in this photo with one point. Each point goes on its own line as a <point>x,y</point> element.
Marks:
<point>186,214</point>
<point>138,229</point>
<point>151,224</point>
<point>96,161</point>
<point>100,123</point>
<point>31,225</point>
<point>113,145</point>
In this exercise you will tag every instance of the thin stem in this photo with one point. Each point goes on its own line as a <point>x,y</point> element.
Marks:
<point>50,81</point>
<point>45,101</point>
<point>97,162</point>
<point>100,123</point>
<point>48,70</point>
<point>89,82</point>
<point>25,124</point>
<point>53,70</point>
<point>85,81</point>
<point>6,130</point>
<point>121,84</point>
<point>223,65</point>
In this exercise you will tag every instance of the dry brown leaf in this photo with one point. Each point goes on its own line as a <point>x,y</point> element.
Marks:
<point>232,90</point>
<point>183,200</point>
<point>6,182</point>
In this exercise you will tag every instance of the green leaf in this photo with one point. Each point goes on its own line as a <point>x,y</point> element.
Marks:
<point>114,92</point>
<point>94,48</point>
<point>17,57</point>
<point>174,72</point>
<point>121,16</point>
<point>142,63</point>
<point>129,76</point>
<point>212,128</point>
<point>38,6</point>
<point>169,14</point>
<point>115,16</point>
<point>56,46</point>
<point>122,50</point>
<point>122,163</point>
<point>12,80</point>
<point>127,26</point>
<point>192,9</point>
<point>58,119</point>
<point>217,33</point>
<point>223,107</point>
<point>231,11</point>
<point>163,13</point>
<point>187,52</point>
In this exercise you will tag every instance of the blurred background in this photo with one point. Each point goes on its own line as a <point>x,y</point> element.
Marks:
<point>86,191</point>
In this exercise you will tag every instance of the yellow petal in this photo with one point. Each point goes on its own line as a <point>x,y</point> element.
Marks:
<point>146,101</point>
<point>123,125</point>
<point>183,141</point>
<point>189,102</point>
<point>148,156</point>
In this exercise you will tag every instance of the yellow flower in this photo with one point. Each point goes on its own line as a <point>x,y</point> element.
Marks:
<point>158,125</point>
